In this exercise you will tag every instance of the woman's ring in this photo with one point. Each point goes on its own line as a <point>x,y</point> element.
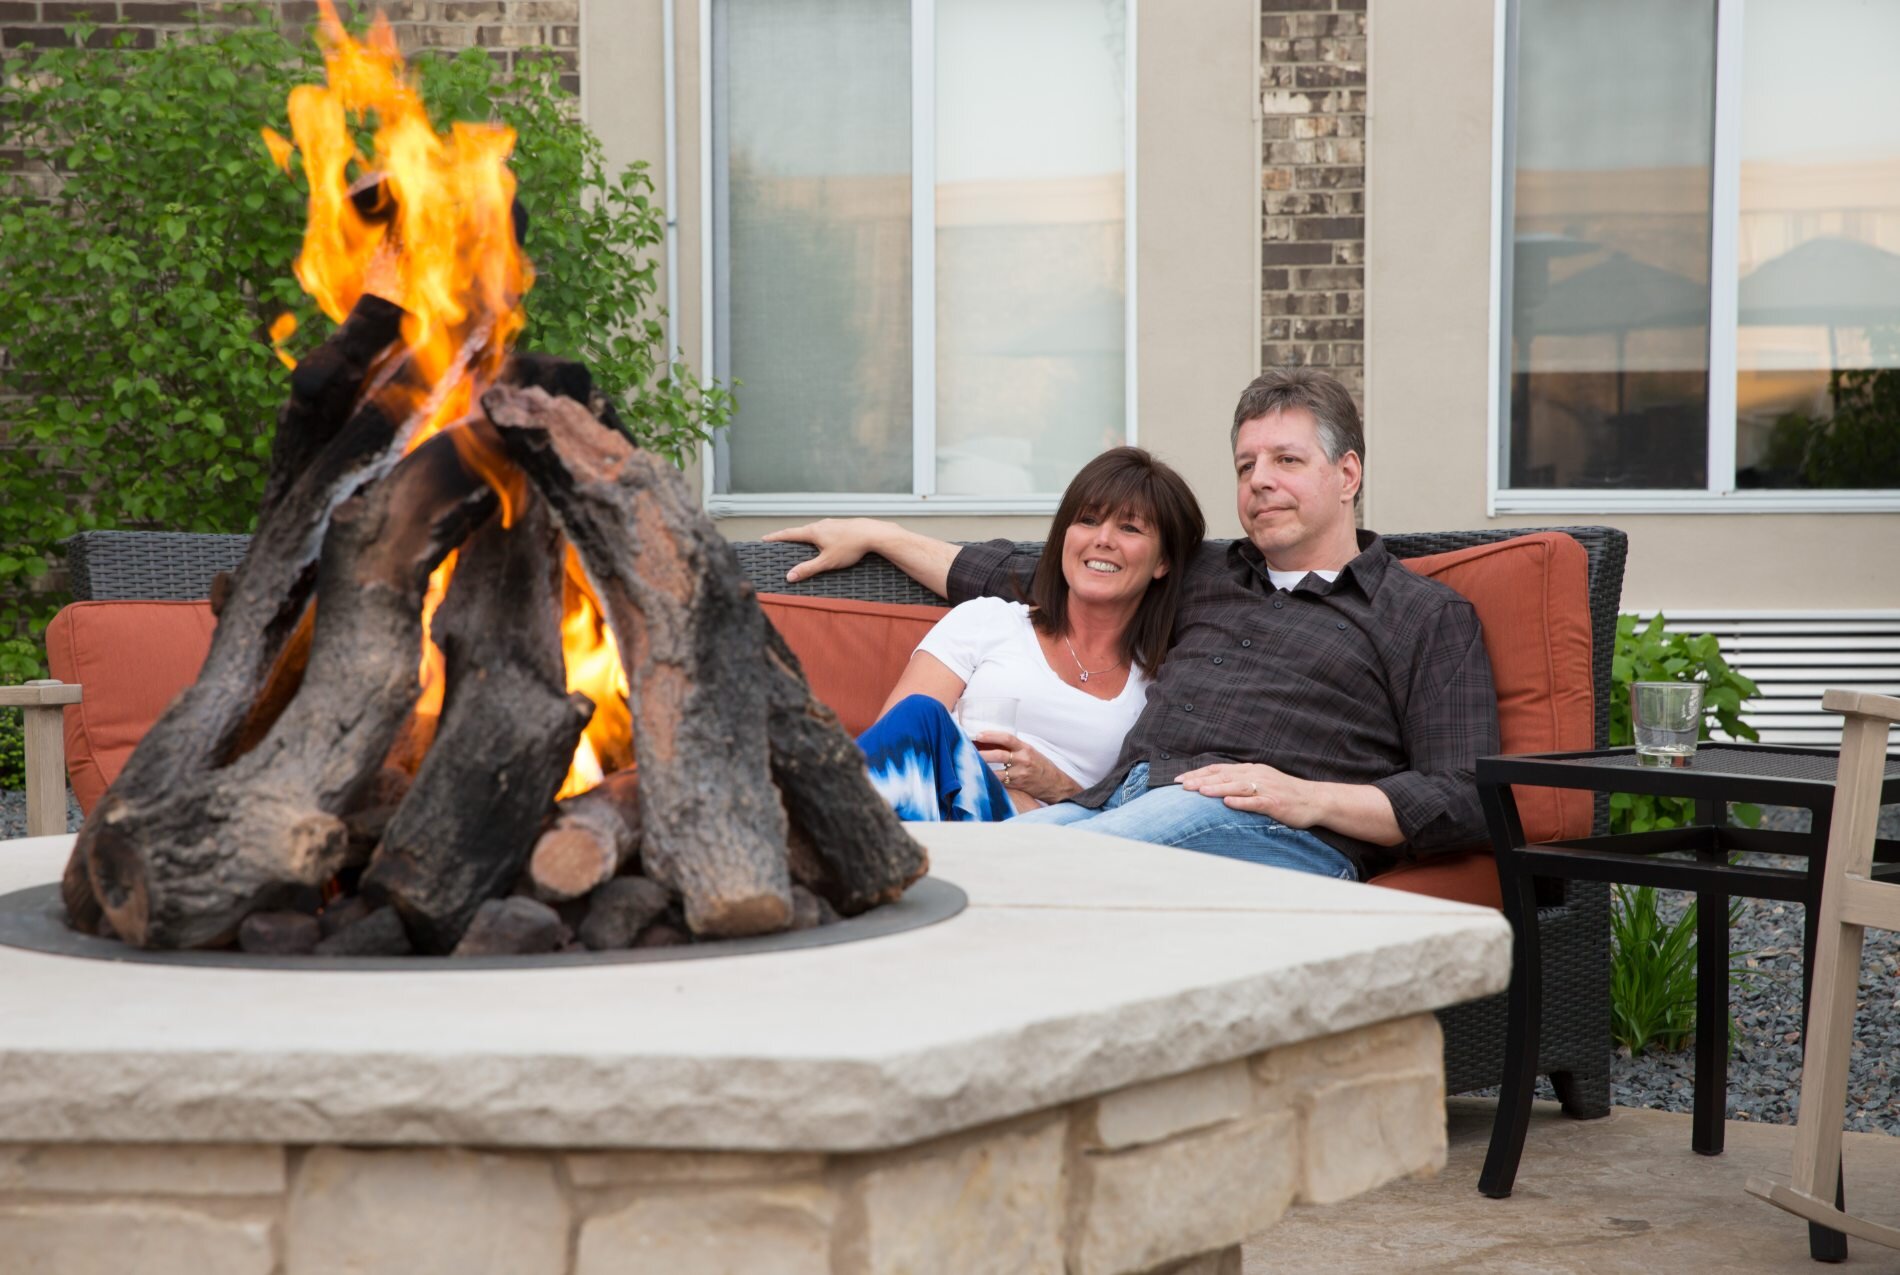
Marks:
<point>1253,789</point>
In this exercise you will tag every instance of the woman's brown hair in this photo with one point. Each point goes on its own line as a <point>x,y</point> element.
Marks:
<point>1125,480</point>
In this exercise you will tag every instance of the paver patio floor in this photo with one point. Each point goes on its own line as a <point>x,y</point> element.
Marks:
<point>1624,1193</point>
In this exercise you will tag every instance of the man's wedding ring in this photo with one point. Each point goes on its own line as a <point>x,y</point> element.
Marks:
<point>1253,789</point>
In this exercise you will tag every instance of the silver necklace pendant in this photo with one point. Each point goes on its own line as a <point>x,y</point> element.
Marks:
<point>1085,675</point>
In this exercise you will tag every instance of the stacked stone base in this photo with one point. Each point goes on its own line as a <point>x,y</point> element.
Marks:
<point>1166,1176</point>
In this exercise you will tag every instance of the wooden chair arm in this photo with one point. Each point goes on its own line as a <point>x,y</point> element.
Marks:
<point>44,704</point>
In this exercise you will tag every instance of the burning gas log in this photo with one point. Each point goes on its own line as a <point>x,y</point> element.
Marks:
<point>690,637</point>
<point>707,672</point>
<point>182,867</point>
<point>848,846</point>
<point>594,836</point>
<point>332,444</point>
<point>464,831</point>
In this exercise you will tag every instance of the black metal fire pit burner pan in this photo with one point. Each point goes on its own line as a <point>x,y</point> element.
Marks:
<point>33,919</point>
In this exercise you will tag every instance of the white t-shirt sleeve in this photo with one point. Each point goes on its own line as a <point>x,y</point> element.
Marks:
<point>970,634</point>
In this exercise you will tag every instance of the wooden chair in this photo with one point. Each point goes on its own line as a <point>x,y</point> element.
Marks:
<point>1851,900</point>
<point>43,703</point>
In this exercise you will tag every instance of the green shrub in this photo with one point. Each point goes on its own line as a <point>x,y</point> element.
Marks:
<point>140,389</point>
<point>12,750</point>
<point>1653,960</point>
<point>1644,653</point>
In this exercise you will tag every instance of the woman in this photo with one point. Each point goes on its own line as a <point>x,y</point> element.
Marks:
<point>1077,657</point>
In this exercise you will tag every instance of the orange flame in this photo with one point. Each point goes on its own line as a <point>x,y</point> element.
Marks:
<point>437,238</point>
<point>426,221</point>
<point>281,330</point>
<point>593,668</point>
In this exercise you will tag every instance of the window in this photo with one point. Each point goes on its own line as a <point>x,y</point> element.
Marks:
<point>1699,279</point>
<point>920,250</point>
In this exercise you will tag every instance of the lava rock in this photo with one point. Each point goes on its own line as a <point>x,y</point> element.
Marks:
<point>515,926</point>
<point>380,933</point>
<point>809,910</point>
<point>663,934</point>
<point>619,910</point>
<point>343,913</point>
<point>279,933</point>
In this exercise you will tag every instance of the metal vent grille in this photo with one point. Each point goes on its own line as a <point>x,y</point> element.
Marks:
<point>1794,656</point>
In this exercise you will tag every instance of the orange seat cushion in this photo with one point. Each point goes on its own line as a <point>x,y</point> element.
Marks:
<point>1468,877</point>
<point>131,659</point>
<point>1532,596</point>
<point>853,652</point>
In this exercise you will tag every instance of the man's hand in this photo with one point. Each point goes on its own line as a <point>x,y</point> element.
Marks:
<point>1261,789</point>
<point>842,542</point>
<point>1025,769</point>
<point>1357,810</point>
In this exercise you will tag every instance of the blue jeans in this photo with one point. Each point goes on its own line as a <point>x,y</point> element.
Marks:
<point>1173,816</point>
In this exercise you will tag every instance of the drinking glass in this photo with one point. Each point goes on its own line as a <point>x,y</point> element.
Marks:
<point>978,713</point>
<point>1666,717</point>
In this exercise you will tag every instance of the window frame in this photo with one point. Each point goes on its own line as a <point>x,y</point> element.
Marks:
<point>922,499</point>
<point>1721,496</point>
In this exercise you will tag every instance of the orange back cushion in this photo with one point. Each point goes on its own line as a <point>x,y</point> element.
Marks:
<point>132,659</point>
<point>1532,594</point>
<point>853,652</point>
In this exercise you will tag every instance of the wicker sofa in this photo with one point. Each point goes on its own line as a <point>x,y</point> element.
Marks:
<point>1574,1051</point>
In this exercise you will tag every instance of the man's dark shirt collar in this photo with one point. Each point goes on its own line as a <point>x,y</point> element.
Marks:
<point>1367,570</point>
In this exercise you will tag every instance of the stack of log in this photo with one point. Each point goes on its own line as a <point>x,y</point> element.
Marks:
<point>293,799</point>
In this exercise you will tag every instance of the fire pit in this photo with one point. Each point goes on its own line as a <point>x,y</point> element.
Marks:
<point>487,682</point>
<point>1117,1058</point>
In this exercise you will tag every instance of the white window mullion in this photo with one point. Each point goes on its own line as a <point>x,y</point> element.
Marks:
<point>1131,382</point>
<point>923,245</point>
<point>1725,204</point>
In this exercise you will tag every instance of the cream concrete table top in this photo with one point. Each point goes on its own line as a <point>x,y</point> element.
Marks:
<point>1083,963</point>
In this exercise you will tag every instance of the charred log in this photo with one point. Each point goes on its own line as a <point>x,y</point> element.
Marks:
<point>848,846</point>
<point>594,836</point>
<point>324,388</point>
<point>691,639</point>
<point>182,866</point>
<point>467,826</point>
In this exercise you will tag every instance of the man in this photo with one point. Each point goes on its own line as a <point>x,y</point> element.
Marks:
<point>1321,708</point>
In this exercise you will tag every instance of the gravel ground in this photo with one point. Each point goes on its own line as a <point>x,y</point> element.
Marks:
<point>13,813</point>
<point>1765,1066</point>
<point>1765,1063</point>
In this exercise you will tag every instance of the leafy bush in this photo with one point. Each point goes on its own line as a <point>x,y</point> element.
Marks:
<point>139,387</point>
<point>1644,653</point>
<point>12,749</point>
<point>1653,960</point>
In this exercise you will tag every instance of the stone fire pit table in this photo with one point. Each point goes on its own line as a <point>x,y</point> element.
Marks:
<point>1118,1058</point>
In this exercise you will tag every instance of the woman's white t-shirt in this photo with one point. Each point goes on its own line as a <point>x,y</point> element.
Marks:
<point>991,644</point>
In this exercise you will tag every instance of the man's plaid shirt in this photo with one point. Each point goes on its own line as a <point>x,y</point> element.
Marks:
<point>1379,677</point>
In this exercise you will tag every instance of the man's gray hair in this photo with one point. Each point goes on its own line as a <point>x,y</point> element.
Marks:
<point>1320,393</point>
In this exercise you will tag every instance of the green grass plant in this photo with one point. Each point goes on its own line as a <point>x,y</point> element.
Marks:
<point>1653,971</point>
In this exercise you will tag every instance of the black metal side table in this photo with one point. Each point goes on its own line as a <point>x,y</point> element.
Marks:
<point>1694,858</point>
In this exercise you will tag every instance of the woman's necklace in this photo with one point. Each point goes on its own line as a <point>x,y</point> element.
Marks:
<point>1087,673</point>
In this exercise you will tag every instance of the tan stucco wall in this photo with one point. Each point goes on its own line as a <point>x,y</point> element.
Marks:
<point>1428,280</point>
<point>1197,219</point>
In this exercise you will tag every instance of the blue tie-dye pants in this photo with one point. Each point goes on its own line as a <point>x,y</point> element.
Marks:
<point>928,769</point>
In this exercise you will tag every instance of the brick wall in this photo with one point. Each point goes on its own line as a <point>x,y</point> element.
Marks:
<point>500,26</point>
<point>1313,184</point>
